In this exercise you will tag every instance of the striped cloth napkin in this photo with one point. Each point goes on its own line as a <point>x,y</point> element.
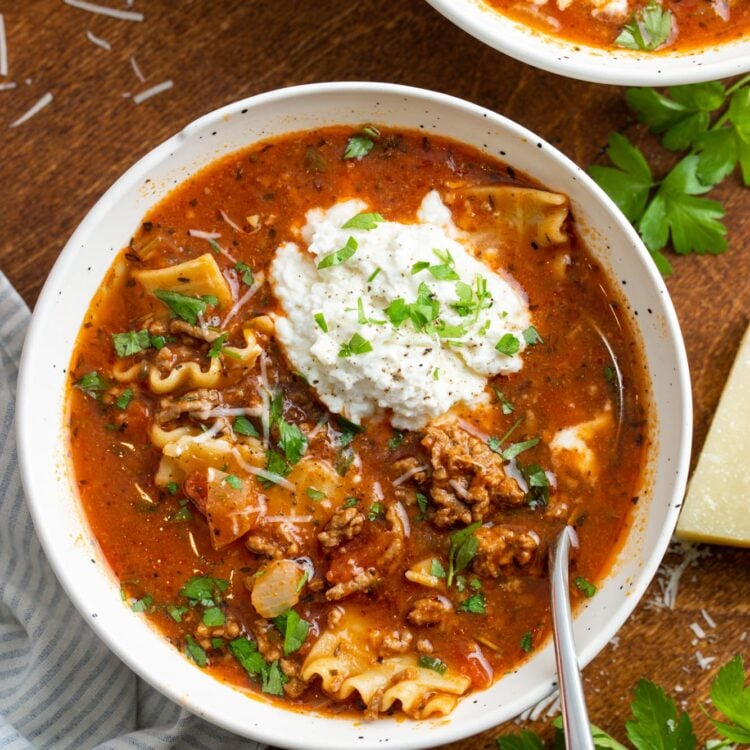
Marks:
<point>60,688</point>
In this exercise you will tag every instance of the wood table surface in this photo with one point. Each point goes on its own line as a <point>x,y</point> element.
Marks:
<point>56,165</point>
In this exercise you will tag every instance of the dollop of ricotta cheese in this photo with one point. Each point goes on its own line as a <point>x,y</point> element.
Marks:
<point>408,322</point>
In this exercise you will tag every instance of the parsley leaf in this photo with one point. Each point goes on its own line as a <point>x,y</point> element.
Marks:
<point>143,604</point>
<point>475,605</point>
<point>360,145</point>
<point>365,222</point>
<point>341,255</point>
<point>233,481</point>
<point>655,723</point>
<point>204,590</point>
<point>246,653</point>
<point>185,307</point>
<point>314,494</point>
<point>507,407</point>
<point>422,505</point>
<point>433,663</point>
<point>585,587</point>
<point>276,465</point>
<point>524,740</point>
<point>395,440</point>
<point>293,628</point>
<point>350,502</point>
<point>356,345</point>
<point>649,28</point>
<point>246,271</point>
<point>122,401</point>
<point>508,345</point>
<point>218,342</point>
<point>376,511</point>
<point>243,426</point>
<point>320,319</point>
<point>213,617</point>
<point>291,441</point>
<point>131,342</point>
<point>176,612</point>
<point>531,336</point>
<point>437,569</point>
<point>462,550</point>
<point>195,652</point>
<point>536,478</point>
<point>527,642</point>
<point>628,185</point>
<point>730,696</point>
<point>92,384</point>
<point>273,679</point>
<point>514,449</point>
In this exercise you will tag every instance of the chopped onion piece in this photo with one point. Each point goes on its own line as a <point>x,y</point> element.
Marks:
<point>472,430</point>
<point>275,591</point>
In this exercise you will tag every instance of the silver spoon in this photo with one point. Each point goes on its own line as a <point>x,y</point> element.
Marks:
<point>575,715</point>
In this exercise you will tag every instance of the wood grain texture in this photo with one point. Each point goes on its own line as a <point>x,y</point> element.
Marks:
<point>54,167</point>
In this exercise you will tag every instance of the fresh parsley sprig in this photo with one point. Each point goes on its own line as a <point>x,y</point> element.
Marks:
<point>655,722</point>
<point>709,121</point>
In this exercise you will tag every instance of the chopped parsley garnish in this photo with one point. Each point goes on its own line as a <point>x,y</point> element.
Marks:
<point>476,604</point>
<point>243,426</point>
<point>176,612</point>
<point>213,617</point>
<point>527,642</point>
<point>337,257</point>
<point>172,488</point>
<point>538,482</point>
<point>217,643</point>
<point>422,505</point>
<point>443,272</point>
<point>470,302</point>
<point>92,384</point>
<point>364,221</point>
<point>494,444</point>
<point>508,345</point>
<point>372,276</point>
<point>204,590</point>
<point>315,495</point>
<point>507,407</point>
<point>276,409</point>
<point>302,581</point>
<point>585,587</point>
<point>419,266</point>
<point>181,514</point>
<point>350,502</point>
<point>610,374</point>
<point>514,449</point>
<point>247,272</point>
<point>347,430</point>
<point>185,307</point>
<point>362,319</point>
<point>462,550</point>
<point>436,374</point>
<point>531,336</point>
<point>648,29</point>
<point>131,342</point>
<point>246,653</point>
<point>158,342</point>
<point>376,511</point>
<point>218,342</point>
<point>143,604</point>
<point>433,663</point>
<point>122,401</point>
<point>291,441</point>
<point>195,652</point>
<point>273,679</point>
<point>293,628</point>
<point>233,481</point>
<point>437,569</point>
<point>395,440</point>
<point>276,464</point>
<point>358,146</point>
<point>320,319</point>
<point>356,345</point>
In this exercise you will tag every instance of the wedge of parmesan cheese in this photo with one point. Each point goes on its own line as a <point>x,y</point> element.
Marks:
<point>717,506</point>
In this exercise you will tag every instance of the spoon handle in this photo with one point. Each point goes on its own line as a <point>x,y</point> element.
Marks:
<point>575,715</point>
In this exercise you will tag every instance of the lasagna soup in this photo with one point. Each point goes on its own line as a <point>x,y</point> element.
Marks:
<point>333,403</point>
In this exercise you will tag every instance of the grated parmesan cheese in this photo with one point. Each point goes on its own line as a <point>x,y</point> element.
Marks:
<point>668,576</point>
<point>709,620</point>
<point>243,300</point>
<point>698,630</point>
<point>7,85</point>
<point>103,10</point>
<point>3,49</point>
<point>40,105</point>
<point>230,222</point>
<point>136,69</point>
<point>153,91</point>
<point>98,41</point>
<point>704,662</point>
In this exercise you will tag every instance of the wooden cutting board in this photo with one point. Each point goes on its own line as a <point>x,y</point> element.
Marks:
<point>55,166</point>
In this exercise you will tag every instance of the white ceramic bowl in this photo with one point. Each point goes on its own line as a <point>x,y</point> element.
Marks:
<point>576,60</point>
<point>65,534</point>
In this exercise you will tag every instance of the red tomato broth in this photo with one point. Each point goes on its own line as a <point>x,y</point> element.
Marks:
<point>152,553</point>
<point>696,24</point>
